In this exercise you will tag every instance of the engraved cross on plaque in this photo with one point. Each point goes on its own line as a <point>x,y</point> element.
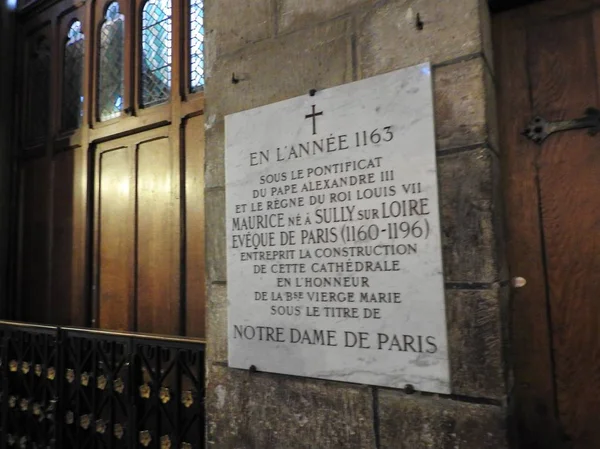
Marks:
<point>314,116</point>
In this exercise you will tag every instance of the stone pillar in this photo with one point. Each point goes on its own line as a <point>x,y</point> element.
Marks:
<point>262,51</point>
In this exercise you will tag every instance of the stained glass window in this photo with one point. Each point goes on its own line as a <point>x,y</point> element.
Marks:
<point>196,45</point>
<point>38,101</point>
<point>72,103</point>
<point>110,73</point>
<point>156,52</point>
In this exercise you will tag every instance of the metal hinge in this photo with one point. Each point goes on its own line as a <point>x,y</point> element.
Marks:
<point>539,129</point>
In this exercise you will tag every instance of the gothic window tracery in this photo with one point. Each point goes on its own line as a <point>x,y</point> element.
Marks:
<point>196,45</point>
<point>156,52</point>
<point>111,63</point>
<point>72,94</point>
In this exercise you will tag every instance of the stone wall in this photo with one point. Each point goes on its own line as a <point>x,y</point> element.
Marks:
<point>6,126</point>
<point>262,51</point>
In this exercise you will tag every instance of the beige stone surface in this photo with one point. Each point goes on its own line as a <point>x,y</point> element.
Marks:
<point>475,341</point>
<point>216,260</point>
<point>467,216</point>
<point>416,422</point>
<point>314,49</point>
<point>498,193</point>
<point>297,14</point>
<point>460,104</point>
<point>214,173</point>
<point>491,111</point>
<point>276,70</point>
<point>486,33</point>
<point>216,323</point>
<point>388,37</point>
<point>258,410</point>
<point>231,24</point>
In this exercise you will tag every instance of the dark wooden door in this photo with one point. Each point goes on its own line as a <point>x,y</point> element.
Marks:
<point>547,62</point>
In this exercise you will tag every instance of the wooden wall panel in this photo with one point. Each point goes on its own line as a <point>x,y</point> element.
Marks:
<point>80,303</point>
<point>35,228</point>
<point>7,42</point>
<point>36,116</point>
<point>62,297</point>
<point>117,193</point>
<point>158,238</point>
<point>195,245</point>
<point>115,221</point>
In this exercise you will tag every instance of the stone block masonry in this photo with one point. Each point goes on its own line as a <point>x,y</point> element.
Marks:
<point>262,51</point>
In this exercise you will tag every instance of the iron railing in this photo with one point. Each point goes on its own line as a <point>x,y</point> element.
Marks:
<point>69,388</point>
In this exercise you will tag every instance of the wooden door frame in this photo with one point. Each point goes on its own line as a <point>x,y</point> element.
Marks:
<point>532,394</point>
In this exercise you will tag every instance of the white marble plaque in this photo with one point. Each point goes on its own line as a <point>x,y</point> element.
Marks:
<point>334,257</point>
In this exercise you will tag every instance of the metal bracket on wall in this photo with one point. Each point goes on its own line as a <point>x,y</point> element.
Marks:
<point>539,128</point>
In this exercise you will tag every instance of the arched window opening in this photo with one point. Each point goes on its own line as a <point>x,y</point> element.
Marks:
<point>156,52</point>
<point>110,66</point>
<point>196,45</point>
<point>72,103</point>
